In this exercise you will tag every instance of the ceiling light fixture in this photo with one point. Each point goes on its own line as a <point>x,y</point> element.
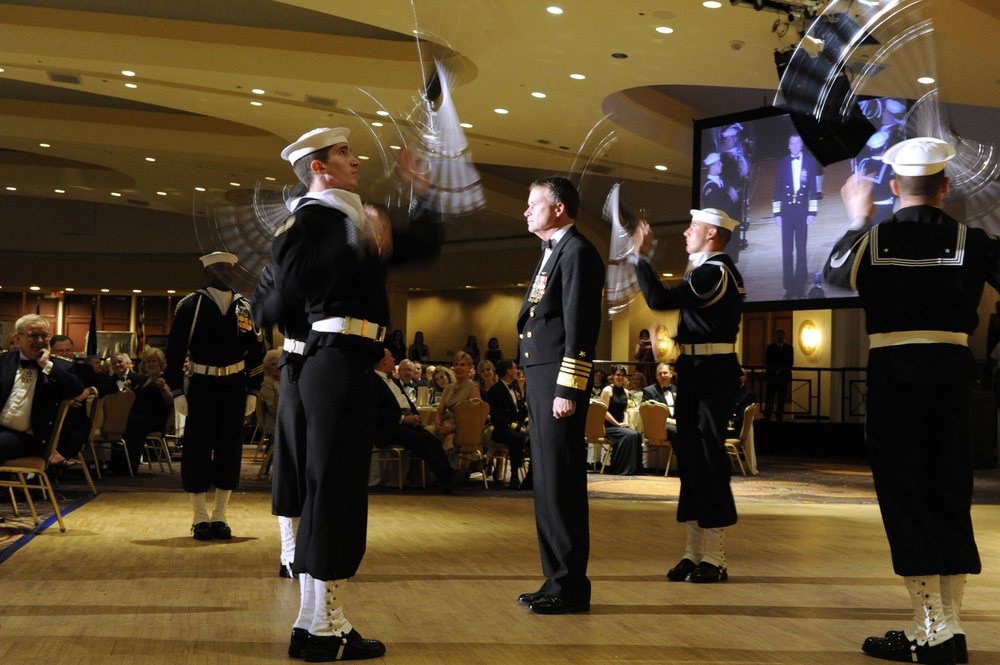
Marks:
<point>501,111</point>
<point>660,167</point>
<point>578,77</point>
<point>117,194</point>
<point>257,91</point>
<point>712,4</point>
<point>161,193</point>
<point>395,147</point>
<point>467,125</point>
<point>363,157</point>
<point>619,55</point>
<point>131,85</point>
<point>664,30</point>
<point>199,189</point>
<point>105,290</point>
<point>151,159</point>
<point>377,124</point>
<point>384,114</point>
<point>926,80</point>
<point>35,288</point>
<point>538,95</point>
<point>69,289</point>
<point>554,10</point>
<point>234,184</point>
<point>171,291</point>
<point>256,103</point>
<point>59,191</point>
<point>128,72</point>
<point>44,145</point>
<point>136,290</point>
<point>12,189</point>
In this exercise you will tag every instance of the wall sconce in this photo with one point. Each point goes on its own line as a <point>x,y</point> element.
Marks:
<point>809,337</point>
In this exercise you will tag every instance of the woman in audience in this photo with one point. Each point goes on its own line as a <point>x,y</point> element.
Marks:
<point>599,382</point>
<point>153,401</point>
<point>472,348</point>
<point>441,378</point>
<point>269,391</point>
<point>626,443</point>
<point>418,350</point>
<point>646,358</point>
<point>486,376</point>
<point>493,352</point>
<point>397,346</point>
<point>463,389</point>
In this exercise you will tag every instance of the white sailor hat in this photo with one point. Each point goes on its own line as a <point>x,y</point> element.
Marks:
<point>732,130</point>
<point>218,257</point>
<point>715,217</point>
<point>317,139</point>
<point>712,158</point>
<point>894,107</point>
<point>878,140</point>
<point>920,156</point>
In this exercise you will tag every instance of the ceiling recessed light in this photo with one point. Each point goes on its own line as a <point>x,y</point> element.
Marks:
<point>234,184</point>
<point>35,288</point>
<point>131,85</point>
<point>467,125</point>
<point>712,4</point>
<point>384,114</point>
<point>151,159</point>
<point>1,70</point>
<point>660,167</point>
<point>115,193</point>
<point>538,95</point>
<point>501,111</point>
<point>12,189</point>
<point>199,189</point>
<point>44,145</point>
<point>59,191</point>
<point>271,178</point>
<point>257,91</point>
<point>136,290</point>
<point>69,289</point>
<point>378,124</point>
<point>668,274</point>
<point>554,10</point>
<point>171,291</point>
<point>578,77</point>
<point>161,193</point>
<point>395,147</point>
<point>363,157</point>
<point>256,103</point>
<point>664,30</point>
<point>105,290</point>
<point>926,80</point>
<point>128,72</point>
<point>619,55</point>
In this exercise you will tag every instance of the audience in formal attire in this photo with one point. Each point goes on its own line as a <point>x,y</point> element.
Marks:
<point>626,443</point>
<point>399,424</point>
<point>509,416</point>
<point>270,390</point>
<point>153,402</point>
<point>463,388</point>
<point>645,358</point>
<point>486,376</point>
<point>636,382</point>
<point>441,378</point>
<point>472,348</point>
<point>493,352</point>
<point>122,376</point>
<point>418,350</point>
<point>663,391</point>
<point>600,380</point>
<point>397,346</point>
<point>76,426</point>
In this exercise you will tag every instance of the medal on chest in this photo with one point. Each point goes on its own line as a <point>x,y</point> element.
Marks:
<point>538,287</point>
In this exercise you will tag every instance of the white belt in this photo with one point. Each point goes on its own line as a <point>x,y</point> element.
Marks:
<point>209,370</point>
<point>708,349</point>
<point>294,346</point>
<point>878,340</point>
<point>346,325</point>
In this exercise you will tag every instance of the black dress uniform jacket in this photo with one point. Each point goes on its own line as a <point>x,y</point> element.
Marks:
<point>919,274</point>
<point>557,333</point>
<point>710,301</point>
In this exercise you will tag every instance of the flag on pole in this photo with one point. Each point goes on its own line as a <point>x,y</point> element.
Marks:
<point>92,333</point>
<point>140,328</point>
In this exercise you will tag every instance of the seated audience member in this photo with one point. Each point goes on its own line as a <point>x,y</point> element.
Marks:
<point>636,382</point>
<point>9,344</point>
<point>397,346</point>
<point>32,384</point>
<point>397,423</point>
<point>269,390</point>
<point>493,352</point>
<point>441,378</point>
<point>153,402</point>
<point>663,391</point>
<point>744,398</point>
<point>509,415</point>
<point>600,381</point>
<point>418,350</point>
<point>472,348</point>
<point>406,379</point>
<point>122,376</point>
<point>463,388</point>
<point>626,443</point>
<point>76,427</point>
<point>418,379</point>
<point>486,376</point>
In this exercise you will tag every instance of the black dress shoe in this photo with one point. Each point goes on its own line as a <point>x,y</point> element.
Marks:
<point>221,531</point>
<point>705,573</point>
<point>202,531</point>
<point>680,572</point>
<point>285,570</point>
<point>300,636</point>
<point>529,598</point>
<point>349,647</point>
<point>552,605</point>
<point>897,647</point>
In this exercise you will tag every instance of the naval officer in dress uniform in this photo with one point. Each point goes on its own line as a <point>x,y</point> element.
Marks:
<point>332,258</point>
<point>214,327</point>
<point>557,334</point>
<point>920,277</point>
<point>710,300</point>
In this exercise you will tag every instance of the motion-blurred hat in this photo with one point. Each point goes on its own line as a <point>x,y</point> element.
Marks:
<point>218,257</point>
<point>920,156</point>
<point>317,139</point>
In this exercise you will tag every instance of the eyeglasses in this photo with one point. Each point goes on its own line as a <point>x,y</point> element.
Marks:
<point>37,336</point>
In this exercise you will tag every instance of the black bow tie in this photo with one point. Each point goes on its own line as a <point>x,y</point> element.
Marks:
<point>797,157</point>
<point>28,364</point>
<point>546,244</point>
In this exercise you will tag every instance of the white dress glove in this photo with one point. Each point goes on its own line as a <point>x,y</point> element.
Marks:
<point>181,405</point>
<point>251,405</point>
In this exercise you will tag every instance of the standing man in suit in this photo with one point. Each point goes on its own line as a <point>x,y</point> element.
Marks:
<point>663,392</point>
<point>32,383</point>
<point>795,204</point>
<point>398,423</point>
<point>710,300</point>
<point>557,330</point>
<point>214,326</point>
<point>778,361</point>
<point>509,415</point>
<point>920,277</point>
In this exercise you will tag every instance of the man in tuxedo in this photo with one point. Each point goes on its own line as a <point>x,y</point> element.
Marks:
<point>409,378</point>
<point>509,415</point>
<point>123,376</point>
<point>398,423</point>
<point>557,331</point>
<point>778,361</point>
<point>794,204</point>
<point>663,392</point>
<point>32,383</point>
<point>76,427</point>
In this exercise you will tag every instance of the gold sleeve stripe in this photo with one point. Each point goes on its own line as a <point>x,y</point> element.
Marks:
<point>259,369</point>
<point>574,373</point>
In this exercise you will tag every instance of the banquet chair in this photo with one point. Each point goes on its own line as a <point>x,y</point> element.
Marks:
<point>156,444</point>
<point>594,434</point>
<point>654,428</point>
<point>737,447</point>
<point>30,473</point>
<point>107,429</point>
<point>470,417</point>
<point>394,455</point>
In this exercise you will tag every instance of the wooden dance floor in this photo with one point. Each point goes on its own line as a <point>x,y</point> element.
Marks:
<point>808,582</point>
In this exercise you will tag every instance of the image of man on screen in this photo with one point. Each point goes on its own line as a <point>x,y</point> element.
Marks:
<point>794,204</point>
